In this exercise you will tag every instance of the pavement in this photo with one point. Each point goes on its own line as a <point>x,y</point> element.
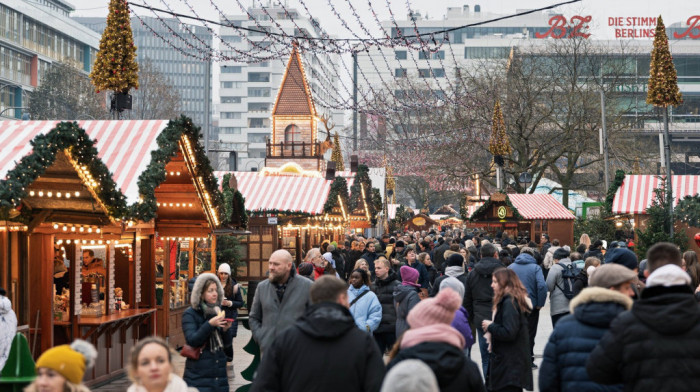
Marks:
<point>242,359</point>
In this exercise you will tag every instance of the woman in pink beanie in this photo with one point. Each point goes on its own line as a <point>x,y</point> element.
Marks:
<point>434,341</point>
<point>405,297</point>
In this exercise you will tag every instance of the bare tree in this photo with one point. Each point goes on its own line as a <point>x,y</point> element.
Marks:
<point>155,98</point>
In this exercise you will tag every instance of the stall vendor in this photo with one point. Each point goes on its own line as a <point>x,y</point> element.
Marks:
<point>92,265</point>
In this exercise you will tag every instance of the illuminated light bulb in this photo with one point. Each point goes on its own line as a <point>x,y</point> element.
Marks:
<point>55,225</point>
<point>31,193</point>
<point>41,194</point>
<point>89,229</point>
<point>77,194</point>
<point>72,229</point>
<point>59,242</point>
<point>49,194</point>
<point>82,229</point>
<point>178,173</point>
<point>68,242</point>
<point>177,204</point>
<point>67,195</point>
<point>109,241</point>
<point>58,194</point>
<point>190,204</point>
<point>99,242</point>
<point>92,242</point>
<point>131,223</point>
<point>84,242</point>
<point>158,204</point>
<point>65,228</point>
<point>97,230</point>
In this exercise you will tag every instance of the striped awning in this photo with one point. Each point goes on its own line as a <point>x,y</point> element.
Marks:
<point>391,210</point>
<point>635,194</point>
<point>124,146</point>
<point>282,193</point>
<point>471,209</point>
<point>539,206</point>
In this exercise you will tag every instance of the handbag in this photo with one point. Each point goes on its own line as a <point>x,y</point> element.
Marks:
<point>190,352</point>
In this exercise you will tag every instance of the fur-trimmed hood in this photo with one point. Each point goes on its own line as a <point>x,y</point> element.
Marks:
<point>599,294</point>
<point>196,297</point>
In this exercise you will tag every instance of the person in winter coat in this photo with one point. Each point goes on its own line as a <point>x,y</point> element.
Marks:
<point>461,319</point>
<point>151,368</point>
<point>323,350</point>
<point>595,250</point>
<point>353,254</point>
<point>424,258</point>
<point>432,340</point>
<point>8,327</point>
<point>232,301</point>
<point>364,305</point>
<point>454,268</point>
<point>338,261</point>
<point>530,274</point>
<point>370,256</point>
<point>559,304</point>
<point>581,281</point>
<point>509,365</point>
<point>405,297</point>
<point>384,286</point>
<point>62,368</point>
<point>549,256</point>
<point>279,301</point>
<point>412,261</point>
<point>654,346</point>
<point>205,327</point>
<point>306,270</point>
<point>410,375</point>
<point>478,296</point>
<point>576,335</point>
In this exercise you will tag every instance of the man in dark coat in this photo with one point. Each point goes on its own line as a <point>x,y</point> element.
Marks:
<point>478,296</point>
<point>339,260</point>
<point>454,268</point>
<point>439,253</point>
<point>300,359</point>
<point>544,240</point>
<point>387,280</point>
<point>370,255</point>
<point>576,335</point>
<point>654,346</point>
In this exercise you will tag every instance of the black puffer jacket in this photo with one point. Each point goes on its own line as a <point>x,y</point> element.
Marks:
<point>478,294</point>
<point>323,351</point>
<point>385,293</point>
<point>653,347</point>
<point>454,371</point>
<point>509,362</point>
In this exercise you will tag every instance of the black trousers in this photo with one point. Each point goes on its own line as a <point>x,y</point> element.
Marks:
<point>385,341</point>
<point>556,318</point>
<point>532,321</point>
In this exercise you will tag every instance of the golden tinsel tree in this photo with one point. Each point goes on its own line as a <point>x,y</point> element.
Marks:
<point>337,155</point>
<point>499,144</point>
<point>115,67</point>
<point>391,183</point>
<point>663,82</point>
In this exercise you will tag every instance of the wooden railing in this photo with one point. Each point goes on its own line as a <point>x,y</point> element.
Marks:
<point>293,150</point>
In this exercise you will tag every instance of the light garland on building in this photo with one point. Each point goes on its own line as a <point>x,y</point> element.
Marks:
<point>76,228</point>
<point>204,196</point>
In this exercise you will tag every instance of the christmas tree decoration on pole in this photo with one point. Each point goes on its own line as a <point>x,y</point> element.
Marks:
<point>663,91</point>
<point>115,67</point>
<point>499,145</point>
<point>337,155</point>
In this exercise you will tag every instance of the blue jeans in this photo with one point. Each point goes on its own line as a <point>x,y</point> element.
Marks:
<point>484,349</point>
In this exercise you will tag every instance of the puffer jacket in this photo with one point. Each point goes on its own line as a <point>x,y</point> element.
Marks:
<point>525,266</point>
<point>384,289</point>
<point>509,362</point>
<point>575,336</point>
<point>461,323</point>
<point>558,302</point>
<point>208,373</point>
<point>367,311</point>
<point>654,346</point>
<point>405,298</point>
<point>478,294</point>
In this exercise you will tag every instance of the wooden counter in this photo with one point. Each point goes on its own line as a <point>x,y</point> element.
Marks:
<point>114,317</point>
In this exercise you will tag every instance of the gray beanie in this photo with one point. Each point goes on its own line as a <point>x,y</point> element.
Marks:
<point>410,375</point>
<point>454,284</point>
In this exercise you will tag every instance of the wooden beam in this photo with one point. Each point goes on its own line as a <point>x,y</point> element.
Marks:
<point>73,204</point>
<point>38,219</point>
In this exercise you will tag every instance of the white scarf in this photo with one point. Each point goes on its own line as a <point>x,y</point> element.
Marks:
<point>175,384</point>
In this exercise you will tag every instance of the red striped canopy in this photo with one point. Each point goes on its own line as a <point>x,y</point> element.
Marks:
<point>123,145</point>
<point>282,192</point>
<point>471,209</point>
<point>635,194</point>
<point>539,206</point>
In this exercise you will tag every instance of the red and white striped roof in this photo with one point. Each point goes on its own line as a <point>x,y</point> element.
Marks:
<point>123,145</point>
<point>283,192</point>
<point>635,194</point>
<point>471,209</point>
<point>539,206</point>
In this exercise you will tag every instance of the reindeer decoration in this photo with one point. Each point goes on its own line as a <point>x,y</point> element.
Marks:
<point>329,125</point>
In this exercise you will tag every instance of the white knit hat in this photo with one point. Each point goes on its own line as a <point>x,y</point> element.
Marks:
<point>225,268</point>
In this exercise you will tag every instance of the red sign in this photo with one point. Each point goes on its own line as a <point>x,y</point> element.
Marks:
<point>693,24</point>
<point>633,26</point>
<point>560,28</point>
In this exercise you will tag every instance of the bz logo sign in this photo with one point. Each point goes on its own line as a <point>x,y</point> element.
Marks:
<point>560,29</point>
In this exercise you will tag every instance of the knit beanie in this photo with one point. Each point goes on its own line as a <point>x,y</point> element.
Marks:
<point>69,361</point>
<point>438,310</point>
<point>306,269</point>
<point>454,284</point>
<point>621,256</point>
<point>409,276</point>
<point>225,268</point>
<point>400,244</point>
<point>455,260</point>
<point>609,275</point>
<point>410,375</point>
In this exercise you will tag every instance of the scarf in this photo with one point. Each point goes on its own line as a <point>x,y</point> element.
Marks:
<point>216,343</point>
<point>318,272</point>
<point>175,384</point>
<point>438,333</point>
<point>454,271</point>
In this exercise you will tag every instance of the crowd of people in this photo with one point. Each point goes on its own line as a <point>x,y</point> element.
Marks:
<point>403,312</point>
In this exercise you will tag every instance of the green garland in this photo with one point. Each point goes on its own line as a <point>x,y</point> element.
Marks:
<point>234,204</point>
<point>610,196</point>
<point>65,136</point>
<point>488,203</point>
<point>362,177</point>
<point>338,187</point>
<point>154,175</point>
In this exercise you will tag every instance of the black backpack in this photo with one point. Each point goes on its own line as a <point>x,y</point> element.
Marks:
<point>568,275</point>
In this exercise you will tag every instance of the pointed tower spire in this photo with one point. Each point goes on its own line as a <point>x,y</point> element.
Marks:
<point>294,95</point>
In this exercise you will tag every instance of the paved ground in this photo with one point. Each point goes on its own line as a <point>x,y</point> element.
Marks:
<point>242,359</point>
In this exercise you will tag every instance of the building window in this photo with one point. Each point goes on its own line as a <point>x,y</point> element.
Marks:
<point>439,72</point>
<point>259,77</point>
<point>292,134</point>
<point>400,72</point>
<point>258,91</point>
<point>257,137</point>
<point>230,115</point>
<point>230,69</point>
<point>426,55</point>
<point>231,84</point>
<point>258,123</point>
<point>230,99</point>
<point>258,107</point>
<point>423,73</point>
<point>230,130</point>
<point>231,38</point>
<point>400,55</point>
<point>486,52</point>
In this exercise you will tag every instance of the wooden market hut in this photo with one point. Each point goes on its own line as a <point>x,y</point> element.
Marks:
<point>525,214</point>
<point>114,190</point>
<point>636,193</point>
<point>420,222</point>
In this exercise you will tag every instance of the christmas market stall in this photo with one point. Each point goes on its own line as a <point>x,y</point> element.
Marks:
<point>636,193</point>
<point>421,222</point>
<point>525,215</point>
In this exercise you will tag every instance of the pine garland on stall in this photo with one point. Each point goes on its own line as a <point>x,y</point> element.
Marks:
<point>338,187</point>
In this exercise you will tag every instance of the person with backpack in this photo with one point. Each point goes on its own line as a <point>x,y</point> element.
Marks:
<point>560,283</point>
